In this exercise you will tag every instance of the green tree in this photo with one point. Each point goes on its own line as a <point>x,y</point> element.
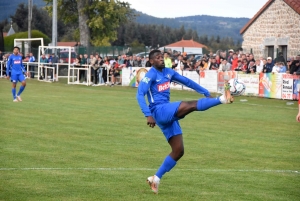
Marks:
<point>97,20</point>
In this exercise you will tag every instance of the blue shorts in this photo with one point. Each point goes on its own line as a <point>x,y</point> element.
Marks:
<point>165,117</point>
<point>17,77</point>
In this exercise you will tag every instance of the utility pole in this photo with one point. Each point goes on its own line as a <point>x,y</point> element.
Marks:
<point>29,23</point>
<point>54,23</point>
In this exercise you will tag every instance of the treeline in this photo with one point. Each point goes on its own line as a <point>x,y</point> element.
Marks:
<point>134,34</point>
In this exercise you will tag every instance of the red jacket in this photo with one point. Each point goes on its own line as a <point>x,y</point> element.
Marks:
<point>234,63</point>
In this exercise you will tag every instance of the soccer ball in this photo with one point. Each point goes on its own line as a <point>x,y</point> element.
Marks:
<point>237,87</point>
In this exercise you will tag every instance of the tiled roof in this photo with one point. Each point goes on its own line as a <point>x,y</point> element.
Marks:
<point>294,4</point>
<point>186,43</point>
<point>71,44</point>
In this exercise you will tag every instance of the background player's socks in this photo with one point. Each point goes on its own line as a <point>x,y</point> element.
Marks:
<point>21,90</point>
<point>166,166</point>
<point>206,103</point>
<point>13,91</point>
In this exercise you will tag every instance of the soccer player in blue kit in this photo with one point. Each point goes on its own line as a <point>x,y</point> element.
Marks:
<point>156,85</point>
<point>15,73</point>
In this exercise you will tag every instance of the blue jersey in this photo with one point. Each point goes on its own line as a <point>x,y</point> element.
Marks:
<point>156,85</point>
<point>15,65</point>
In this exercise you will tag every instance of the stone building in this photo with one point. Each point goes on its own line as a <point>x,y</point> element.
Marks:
<point>274,28</point>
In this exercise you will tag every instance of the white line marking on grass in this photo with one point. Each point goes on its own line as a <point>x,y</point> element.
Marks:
<point>151,169</point>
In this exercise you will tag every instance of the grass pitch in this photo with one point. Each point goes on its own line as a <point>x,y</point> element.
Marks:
<point>66,142</point>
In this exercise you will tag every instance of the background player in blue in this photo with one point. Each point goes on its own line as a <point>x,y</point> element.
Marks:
<point>156,85</point>
<point>15,73</point>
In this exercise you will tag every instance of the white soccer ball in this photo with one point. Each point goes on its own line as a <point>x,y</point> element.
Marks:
<point>237,87</point>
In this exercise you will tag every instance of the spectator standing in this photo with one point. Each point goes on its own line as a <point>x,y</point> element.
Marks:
<point>148,64</point>
<point>259,66</point>
<point>240,66</point>
<point>294,66</point>
<point>213,64</point>
<point>138,62</point>
<point>230,57</point>
<point>43,59</point>
<point>54,61</point>
<point>167,60</point>
<point>297,67</point>
<point>225,66</point>
<point>251,67</point>
<point>203,65</point>
<point>234,61</point>
<point>31,66</point>
<point>269,65</point>
<point>280,58</point>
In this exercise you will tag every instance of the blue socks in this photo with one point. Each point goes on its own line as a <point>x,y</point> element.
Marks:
<point>21,90</point>
<point>206,103</point>
<point>13,91</point>
<point>166,166</point>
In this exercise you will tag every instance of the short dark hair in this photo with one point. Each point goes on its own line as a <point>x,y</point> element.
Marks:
<point>153,53</point>
<point>17,47</point>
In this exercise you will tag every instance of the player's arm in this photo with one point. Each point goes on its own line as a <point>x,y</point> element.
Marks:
<point>143,88</point>
<point>190,83</point>
<point>24,69</point>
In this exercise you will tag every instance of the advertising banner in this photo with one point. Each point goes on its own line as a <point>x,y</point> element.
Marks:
<point>209,80</point>
<point>287,86</point>
<point>193,75</point>
<point>251,82</point>
<point>270,85</point>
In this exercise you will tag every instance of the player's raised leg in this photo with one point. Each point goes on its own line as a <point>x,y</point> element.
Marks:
<point>203,104</point>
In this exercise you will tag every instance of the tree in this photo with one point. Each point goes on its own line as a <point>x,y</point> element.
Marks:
<point>40,21</point>
<point>97,20</point>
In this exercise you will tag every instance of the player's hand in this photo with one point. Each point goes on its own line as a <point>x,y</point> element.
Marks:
<point>298,117</point>
<point>7,77</point>
<point>150,121</point>
<point>27,74</point>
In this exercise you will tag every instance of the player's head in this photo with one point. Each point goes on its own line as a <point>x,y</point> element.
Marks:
<point>156,58</point>
<point>16,50</point>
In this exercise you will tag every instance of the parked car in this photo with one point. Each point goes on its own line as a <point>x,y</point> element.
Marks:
<point>64,57</point>
<point>143,54</point>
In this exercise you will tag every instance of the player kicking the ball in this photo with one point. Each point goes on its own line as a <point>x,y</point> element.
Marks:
<point>156,84</point>
<point>15,73</point>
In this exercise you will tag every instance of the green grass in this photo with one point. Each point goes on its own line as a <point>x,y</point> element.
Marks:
<point>66,142</point>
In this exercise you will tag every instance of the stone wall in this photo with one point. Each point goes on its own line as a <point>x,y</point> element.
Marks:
<point>278,25</point>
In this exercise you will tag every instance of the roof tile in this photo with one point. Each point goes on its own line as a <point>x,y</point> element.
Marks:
<point>294,4</point>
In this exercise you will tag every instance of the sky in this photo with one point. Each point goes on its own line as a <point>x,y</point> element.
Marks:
<point>182,8</point>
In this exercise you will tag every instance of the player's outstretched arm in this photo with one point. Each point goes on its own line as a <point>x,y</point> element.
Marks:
<point>190,83</point>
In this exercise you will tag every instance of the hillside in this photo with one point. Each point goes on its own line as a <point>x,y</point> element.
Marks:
<point>203,24</point>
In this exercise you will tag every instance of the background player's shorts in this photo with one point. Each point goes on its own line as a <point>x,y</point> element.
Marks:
<point>17,78</point>
<point>165,117</point>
